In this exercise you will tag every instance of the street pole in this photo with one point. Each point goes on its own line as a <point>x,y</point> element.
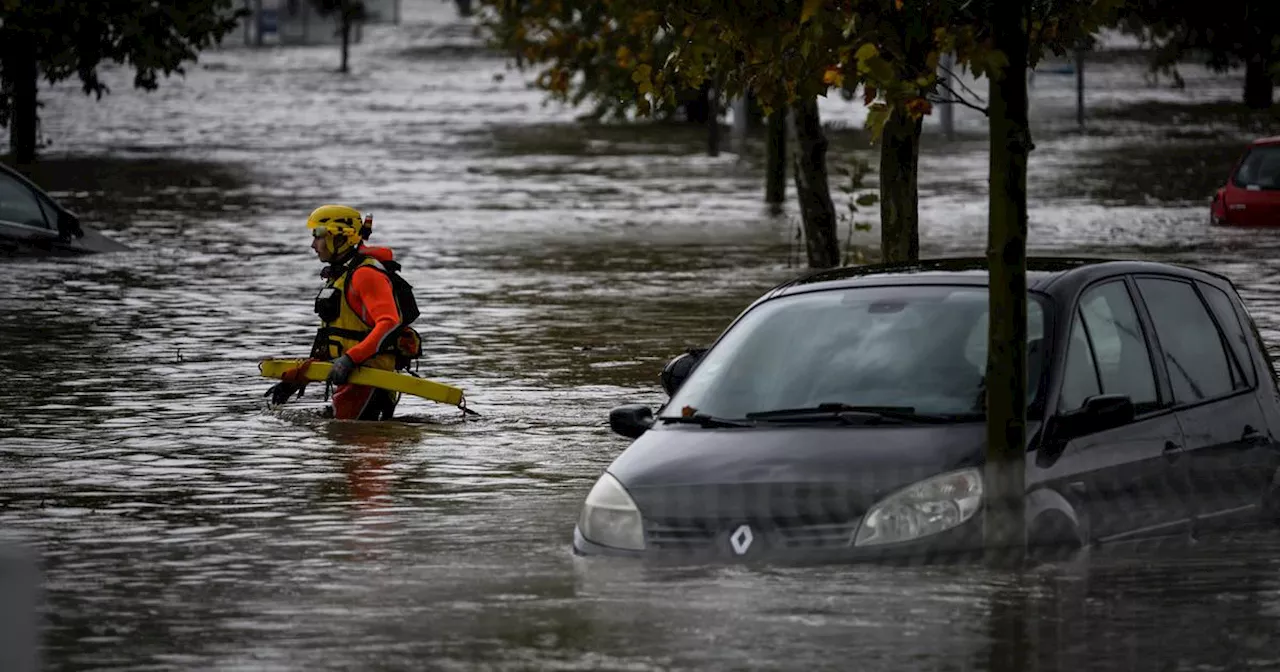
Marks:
<point>1080,88</point>
<point>947,111</point>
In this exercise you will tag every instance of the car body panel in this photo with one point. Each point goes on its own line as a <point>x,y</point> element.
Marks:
<point>801,488</point>
<point>1128,482</point>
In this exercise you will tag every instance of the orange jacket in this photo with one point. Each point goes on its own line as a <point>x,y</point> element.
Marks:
<point>372,299</point>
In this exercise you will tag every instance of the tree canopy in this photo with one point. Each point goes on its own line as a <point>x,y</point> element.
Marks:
<point>1226,34</point>
<point>60,40</point>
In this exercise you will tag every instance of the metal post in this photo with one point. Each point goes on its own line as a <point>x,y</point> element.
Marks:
<point>947,111</point>
<point>257,22</point>
<point>1080,88</point>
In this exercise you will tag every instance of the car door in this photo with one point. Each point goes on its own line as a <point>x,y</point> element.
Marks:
<point>1226,433</point>
<point>1130,481</point>
<point>25,221</point>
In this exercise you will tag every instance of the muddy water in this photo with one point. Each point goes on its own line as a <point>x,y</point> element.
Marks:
<point>181,524</point>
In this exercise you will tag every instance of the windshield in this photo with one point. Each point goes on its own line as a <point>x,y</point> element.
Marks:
<point>1260,168</point>
<point>923,348</point>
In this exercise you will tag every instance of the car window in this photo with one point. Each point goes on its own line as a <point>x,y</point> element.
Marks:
<point>1229,320</point>
<point>1080,378</point>
<point>50,213</point>
<point>1260,168</point>
<point>975,347</point>
<point>1193,350</point>
<point>875,346</point>
<point>1119,348</point>
<point>18,204</point>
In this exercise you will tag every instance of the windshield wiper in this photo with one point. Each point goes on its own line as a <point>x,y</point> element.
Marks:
<point>859,415</point>
<point>703,420</point>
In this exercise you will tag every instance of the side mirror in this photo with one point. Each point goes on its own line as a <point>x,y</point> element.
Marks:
<point>676,370</point>
<point>631,420</point>
<point>1099,413</point>
<point>69,225</point>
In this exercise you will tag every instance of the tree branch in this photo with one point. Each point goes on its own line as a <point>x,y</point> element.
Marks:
<point>960,101</point>
<point>956,79</point>
<point>957,98</point>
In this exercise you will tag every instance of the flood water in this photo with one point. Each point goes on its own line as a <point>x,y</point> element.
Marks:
<point>183,525</point>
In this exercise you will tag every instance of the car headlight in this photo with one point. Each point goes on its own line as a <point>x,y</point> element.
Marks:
<point>610,517</point>
<point>921,509</point>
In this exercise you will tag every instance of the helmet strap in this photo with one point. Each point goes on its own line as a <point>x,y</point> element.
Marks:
<point>343,257</point>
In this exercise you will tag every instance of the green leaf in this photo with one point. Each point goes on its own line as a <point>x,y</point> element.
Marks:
<point>867,200</point>
<point>877,117</point>
<point>809,9</point>
<point>881,71</point>
<point>866,51</point>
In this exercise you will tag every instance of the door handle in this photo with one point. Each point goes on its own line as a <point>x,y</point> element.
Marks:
<point>1171,451</point>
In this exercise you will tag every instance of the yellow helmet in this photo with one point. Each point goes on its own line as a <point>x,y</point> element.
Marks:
<point>340,225</point>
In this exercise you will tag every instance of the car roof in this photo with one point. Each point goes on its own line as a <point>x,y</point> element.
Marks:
<point>1050,275</point>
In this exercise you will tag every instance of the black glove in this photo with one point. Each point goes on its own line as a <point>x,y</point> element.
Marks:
<point>280,392</point>
<point>342,369</point>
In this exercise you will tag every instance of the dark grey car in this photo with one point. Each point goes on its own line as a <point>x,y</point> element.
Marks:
<point>33,224</point>
<point>841,417</point>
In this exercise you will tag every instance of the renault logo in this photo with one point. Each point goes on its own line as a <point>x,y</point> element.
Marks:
<point>741,539</point>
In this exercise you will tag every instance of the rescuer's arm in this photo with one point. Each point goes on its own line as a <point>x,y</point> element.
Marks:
<point>375,302</point>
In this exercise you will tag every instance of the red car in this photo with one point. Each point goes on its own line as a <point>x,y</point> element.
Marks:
<point>1251,196</point>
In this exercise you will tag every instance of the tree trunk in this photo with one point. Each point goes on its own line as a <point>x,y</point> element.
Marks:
<point>775,158</point>
<point>21,73</point>
<point>1004,530</point>
<point>1259,88</point>
<point>696,104</point>
<point>464,8</point>
<point>817,212</point>
<point>346,42</point>
<point>899,196</point>
<point>713,122</point>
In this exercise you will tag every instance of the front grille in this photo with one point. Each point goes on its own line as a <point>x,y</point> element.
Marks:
<point>818,536</point>
<point>690,535</point>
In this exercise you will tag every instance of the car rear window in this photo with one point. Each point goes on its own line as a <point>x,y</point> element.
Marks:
<point>1235,332</point>
<point>1260,169</point>
<point>1198,364</point>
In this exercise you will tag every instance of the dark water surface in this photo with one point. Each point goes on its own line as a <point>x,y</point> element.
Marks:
<point>183,525</point>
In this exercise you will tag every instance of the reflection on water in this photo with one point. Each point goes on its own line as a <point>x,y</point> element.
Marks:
<point>182,524</point>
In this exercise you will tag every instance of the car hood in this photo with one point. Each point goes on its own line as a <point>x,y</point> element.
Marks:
<point>807,472</point>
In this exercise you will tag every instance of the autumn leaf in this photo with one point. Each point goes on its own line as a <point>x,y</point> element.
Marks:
<point>898,4</point>
<point>868,93</point>
<point>918,107</point>
<point>833,77</point>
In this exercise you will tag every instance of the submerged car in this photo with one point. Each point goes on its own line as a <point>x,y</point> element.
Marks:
<point>1251,196</point>
<point>841,417</point>
<point>32,223</point>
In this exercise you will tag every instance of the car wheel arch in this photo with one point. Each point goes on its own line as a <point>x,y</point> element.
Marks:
<point>1052,520</point>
